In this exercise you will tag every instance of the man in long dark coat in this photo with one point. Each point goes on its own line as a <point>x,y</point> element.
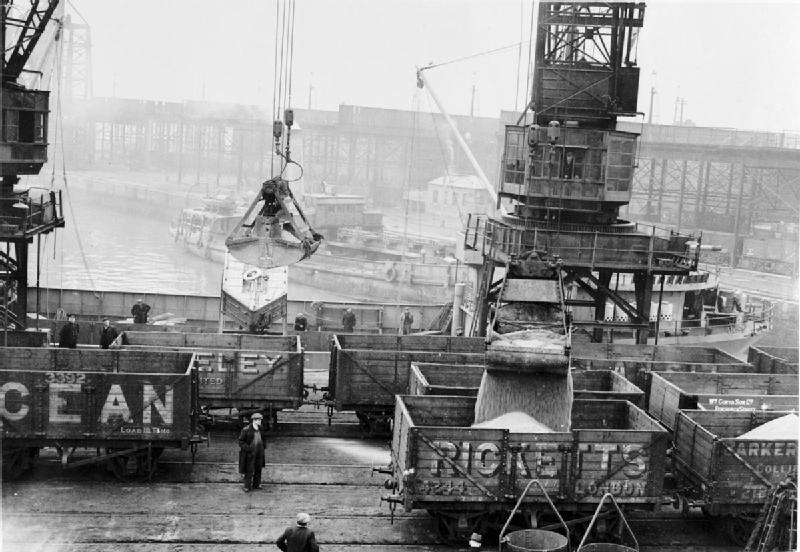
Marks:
<point>68,336</point>
<point>251,453</point>
<point>108,334</point>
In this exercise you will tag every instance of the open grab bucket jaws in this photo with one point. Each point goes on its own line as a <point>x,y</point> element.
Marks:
<point>274,231</point>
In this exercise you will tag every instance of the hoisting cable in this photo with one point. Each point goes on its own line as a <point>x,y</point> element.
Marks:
<point>528,91</point>
<point>60,134</point>
<point>479,54</point>
<point>275,78</point>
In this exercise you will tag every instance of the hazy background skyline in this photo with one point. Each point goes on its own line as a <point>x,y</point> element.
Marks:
<point>734,64</point>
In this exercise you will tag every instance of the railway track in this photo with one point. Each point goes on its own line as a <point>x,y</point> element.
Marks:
<point>201,506</point>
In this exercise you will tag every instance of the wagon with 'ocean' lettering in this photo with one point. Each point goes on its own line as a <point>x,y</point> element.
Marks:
<point>730,477</point>
<point>470,478</point>
<point>247,372</point>
<point>126,407</point>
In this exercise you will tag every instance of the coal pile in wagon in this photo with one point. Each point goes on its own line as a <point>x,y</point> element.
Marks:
<point>527,372</point>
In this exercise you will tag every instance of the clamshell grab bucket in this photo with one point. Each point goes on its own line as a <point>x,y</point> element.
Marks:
<point>273,232</point>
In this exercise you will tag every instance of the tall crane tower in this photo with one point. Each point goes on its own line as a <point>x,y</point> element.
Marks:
<point>566,172</point>
<point>23,151</point>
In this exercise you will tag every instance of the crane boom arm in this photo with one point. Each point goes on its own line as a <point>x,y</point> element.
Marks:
<point>422,82</point>
<point>30,31</point>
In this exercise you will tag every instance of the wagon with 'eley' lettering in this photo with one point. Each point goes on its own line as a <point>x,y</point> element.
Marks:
<point>248,372</point>
<point>469,478</point>
<point>126,407</point>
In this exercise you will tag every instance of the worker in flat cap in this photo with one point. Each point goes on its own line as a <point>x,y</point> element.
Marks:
<point>251,453</point>
<point>298,538</point>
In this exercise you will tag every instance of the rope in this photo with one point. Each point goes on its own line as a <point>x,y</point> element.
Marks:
<point>479,54</point>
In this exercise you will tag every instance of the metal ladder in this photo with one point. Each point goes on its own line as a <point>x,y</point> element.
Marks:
<point>765,535</point>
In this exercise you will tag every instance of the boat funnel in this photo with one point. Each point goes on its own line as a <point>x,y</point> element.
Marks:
<point>274,231</point>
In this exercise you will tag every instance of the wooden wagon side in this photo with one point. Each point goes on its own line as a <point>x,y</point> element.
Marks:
<point>774,360</point>
<point>464,474</point>
<point>671,392</point>
<point>366,380</point>
<point>445,379</point>
<point>71,399</point>
<point>605,384</point>
<point>730,478</point>
<point>242,371</point>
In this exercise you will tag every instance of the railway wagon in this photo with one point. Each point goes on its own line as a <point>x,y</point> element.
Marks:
<point>636,362</point>
<point>445,379</point>
<point>468,476</point>
<point>242,371</point>
<point>23,338</point>
<point>127,405</point>
<point>674,391</point>
<point>774,360</point>
<point>367,371</point>
<point>729,478</point>
<point>436,379</point>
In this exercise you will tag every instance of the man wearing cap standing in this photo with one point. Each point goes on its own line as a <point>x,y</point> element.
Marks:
<point>299,538</point>
<point>251,453</point>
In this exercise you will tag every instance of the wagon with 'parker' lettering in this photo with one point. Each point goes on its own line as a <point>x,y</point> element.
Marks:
<point>465,380</point>
<point>367,371</point>
<point>126,406</point>
<point>469,478</point>
<point>243,371</point>
<point>728,477</point>
<point>674,391</point>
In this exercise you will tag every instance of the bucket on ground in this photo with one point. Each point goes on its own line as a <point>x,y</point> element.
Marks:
<point>536,540</point>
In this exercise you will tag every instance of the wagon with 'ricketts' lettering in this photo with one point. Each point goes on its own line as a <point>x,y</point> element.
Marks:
<point>470,478</point>
<point>126,407</point>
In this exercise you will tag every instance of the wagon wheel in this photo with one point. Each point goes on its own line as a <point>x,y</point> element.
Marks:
<point>135,466</point>
<point>609,529</point>
<point>367,424</point>
<point>447,529</point>
<point>738,528</point>
<point>449,532</point>
<point>16,462</point>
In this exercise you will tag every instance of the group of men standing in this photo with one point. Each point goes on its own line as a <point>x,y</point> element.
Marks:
<point>349,321</point>
<point>68,335</point>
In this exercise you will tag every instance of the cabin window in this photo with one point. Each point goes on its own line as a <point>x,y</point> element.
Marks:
<point>572,161</point>
<point>514,158</point>
<point>620,162</point>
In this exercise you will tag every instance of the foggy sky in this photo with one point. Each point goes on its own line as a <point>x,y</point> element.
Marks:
<point>736,64</point>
